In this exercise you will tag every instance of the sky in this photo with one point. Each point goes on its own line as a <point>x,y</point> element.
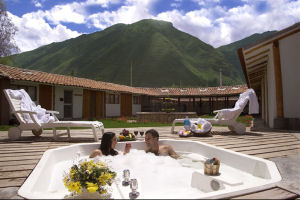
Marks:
<point>216,22</point>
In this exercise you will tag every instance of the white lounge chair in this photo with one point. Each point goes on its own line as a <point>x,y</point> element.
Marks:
<point>28,119</point>
<point>229,116</point>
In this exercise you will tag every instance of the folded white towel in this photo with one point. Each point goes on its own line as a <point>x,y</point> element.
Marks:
<point>28,105</point>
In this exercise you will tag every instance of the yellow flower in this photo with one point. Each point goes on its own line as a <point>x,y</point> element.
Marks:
<point>72,173</point>
<point>74,186</point>
<point>92,187</point>
<point>103,191</point>
<point>200,126</point>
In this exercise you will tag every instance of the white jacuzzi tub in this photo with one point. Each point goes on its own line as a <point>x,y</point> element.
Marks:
<point>239,173</point>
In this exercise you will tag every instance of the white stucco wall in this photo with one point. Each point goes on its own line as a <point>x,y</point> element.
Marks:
<point>136,108</point>
<point>113,110</point>
<point>77,101</point>
<point>290,69</point>
<point>59,105</point>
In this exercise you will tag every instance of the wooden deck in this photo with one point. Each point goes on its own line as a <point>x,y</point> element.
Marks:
<point>18,158</point>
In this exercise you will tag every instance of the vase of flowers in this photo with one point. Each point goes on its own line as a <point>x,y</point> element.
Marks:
<point>89,180</point>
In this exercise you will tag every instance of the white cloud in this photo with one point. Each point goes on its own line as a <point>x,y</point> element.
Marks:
<point>133,11</point>
<point>36,3</point>
<point>218,26</point>
<point>34,31</point>
<point>73,12</point>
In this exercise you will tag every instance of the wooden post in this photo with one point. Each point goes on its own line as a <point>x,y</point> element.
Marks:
<point>278,79</point>
<point>193,103</point>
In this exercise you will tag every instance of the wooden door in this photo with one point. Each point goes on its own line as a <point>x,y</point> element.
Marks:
<point>99,104</point>
<point>86,108</point>
<point>45,96</point>
<point>68,104</point>
<point>126,104</point>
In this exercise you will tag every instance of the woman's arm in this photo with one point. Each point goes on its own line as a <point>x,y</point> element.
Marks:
<point>96,152</point>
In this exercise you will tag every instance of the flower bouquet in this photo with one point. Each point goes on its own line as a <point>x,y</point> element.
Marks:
<point>89,179</point>
<point>125,135</point>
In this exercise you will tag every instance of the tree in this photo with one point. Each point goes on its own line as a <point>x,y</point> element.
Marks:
<point>7,32</point>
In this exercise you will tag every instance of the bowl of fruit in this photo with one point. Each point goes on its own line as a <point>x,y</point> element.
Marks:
<point>125,135</point>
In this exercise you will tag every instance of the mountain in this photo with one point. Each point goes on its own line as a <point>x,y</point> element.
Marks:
<point>160,56</point>
<point>230,50</point>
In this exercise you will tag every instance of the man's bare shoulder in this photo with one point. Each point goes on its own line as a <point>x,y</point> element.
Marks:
<point>165,147</point>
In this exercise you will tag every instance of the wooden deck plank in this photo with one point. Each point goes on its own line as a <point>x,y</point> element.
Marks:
<point>229,142</point>
<point>20,155</point>
<point>273,193</point>
<point>19,162</point>
<point>11,182</point>
<point>5,159</point>
<point>263,146</point>
<point>257,143</point>
<point>18,174</point>
<point>277,154</point>
<point>17,168</point>
<point>267,150</point>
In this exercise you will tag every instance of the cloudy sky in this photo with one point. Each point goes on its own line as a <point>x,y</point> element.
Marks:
<point>216,22</point>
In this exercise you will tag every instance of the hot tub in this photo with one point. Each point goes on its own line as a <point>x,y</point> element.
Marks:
<point>158,176</point>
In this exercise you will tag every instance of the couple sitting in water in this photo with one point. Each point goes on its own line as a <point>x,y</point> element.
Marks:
<point>109,141</point>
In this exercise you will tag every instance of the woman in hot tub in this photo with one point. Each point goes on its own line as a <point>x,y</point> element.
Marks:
<point>107,147</point>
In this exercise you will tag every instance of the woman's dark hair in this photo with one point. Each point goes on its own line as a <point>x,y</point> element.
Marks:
<point>105,146</point>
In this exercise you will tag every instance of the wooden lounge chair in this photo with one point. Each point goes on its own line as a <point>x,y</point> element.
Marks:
<point>229,116</point>
<point>37,127</point>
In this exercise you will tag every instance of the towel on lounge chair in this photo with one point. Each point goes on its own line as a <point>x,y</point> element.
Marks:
<point>28,105</point>
<point>250,96</point>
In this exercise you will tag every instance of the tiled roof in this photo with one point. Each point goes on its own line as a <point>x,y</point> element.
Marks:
<point>56,79</point>
<point>48,78</point>
<point>207,91</point>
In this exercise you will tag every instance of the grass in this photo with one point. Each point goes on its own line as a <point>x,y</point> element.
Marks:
<point>122,123</point>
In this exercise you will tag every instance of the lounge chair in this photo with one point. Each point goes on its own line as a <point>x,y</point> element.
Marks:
<point>229,116</point>
<point>33,118</point>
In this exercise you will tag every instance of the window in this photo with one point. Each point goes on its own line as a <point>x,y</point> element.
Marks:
<point>136,100</point>
<point>31,90</point>
<point>117,99</point>
<point>112,98</point>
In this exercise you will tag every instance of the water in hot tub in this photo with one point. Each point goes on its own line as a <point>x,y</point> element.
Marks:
<point>158,176</point>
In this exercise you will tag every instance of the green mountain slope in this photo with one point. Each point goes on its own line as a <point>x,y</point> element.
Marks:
<point>230,50</point>
<point>160,55</point>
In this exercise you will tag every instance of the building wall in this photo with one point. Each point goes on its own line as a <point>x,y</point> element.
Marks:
<point>77,101</point>
<point>290,69</point>
<point>136,108</point>
<point>113,110</point>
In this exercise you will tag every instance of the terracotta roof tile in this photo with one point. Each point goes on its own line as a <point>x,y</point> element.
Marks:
<point>56,79</point>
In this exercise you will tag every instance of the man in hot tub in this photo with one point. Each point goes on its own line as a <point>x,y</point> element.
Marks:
<point>151,140</point>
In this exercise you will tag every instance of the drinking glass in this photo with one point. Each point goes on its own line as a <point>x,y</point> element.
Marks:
<point>133,186</point>
<point>142,132</point>
<point>136,132</point>
<point>126,175</point>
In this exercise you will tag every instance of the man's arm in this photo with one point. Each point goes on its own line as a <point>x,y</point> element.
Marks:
<point>172,153</point>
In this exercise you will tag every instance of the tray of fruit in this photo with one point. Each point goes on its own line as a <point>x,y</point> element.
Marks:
<point>125,135</point>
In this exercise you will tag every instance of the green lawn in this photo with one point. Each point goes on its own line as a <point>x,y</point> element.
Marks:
<point>122,123</point>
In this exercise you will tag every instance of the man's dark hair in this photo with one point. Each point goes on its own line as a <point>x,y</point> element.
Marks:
<point>153,132</point>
